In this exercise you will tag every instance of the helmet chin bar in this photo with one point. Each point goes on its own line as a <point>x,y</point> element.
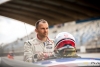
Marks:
<point>66,52</point>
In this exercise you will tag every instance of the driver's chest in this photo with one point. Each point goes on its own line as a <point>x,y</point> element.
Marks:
<point>44,47</point>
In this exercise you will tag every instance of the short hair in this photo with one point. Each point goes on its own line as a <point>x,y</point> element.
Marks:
<point>41,20</point>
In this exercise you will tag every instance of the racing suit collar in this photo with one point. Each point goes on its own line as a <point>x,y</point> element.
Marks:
<point>41,40</point>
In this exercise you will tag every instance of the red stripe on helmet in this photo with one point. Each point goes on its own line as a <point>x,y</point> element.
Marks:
<point>64,43</point>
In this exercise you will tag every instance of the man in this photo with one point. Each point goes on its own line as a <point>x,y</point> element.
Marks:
<point>40,47</point>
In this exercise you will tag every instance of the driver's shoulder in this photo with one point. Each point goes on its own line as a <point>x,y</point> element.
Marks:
<point>31,40</point>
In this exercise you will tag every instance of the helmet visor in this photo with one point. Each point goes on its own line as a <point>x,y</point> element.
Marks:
<point>64,43</point>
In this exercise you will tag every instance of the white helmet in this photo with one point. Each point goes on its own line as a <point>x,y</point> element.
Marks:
<point>64,40</point>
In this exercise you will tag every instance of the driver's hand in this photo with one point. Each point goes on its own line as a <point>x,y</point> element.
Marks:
<point>40,56</point>
<point>43,56</point>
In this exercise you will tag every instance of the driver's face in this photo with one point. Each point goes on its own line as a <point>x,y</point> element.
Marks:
<point>42,29</point>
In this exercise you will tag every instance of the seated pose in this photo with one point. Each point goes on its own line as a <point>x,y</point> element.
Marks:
<point>65,45</point>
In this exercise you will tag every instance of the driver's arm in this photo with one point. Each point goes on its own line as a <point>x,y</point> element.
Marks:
<point>28,52</point>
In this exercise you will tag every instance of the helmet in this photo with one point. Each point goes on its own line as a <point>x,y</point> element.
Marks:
<point>63,39</point>
<point>65,45</point>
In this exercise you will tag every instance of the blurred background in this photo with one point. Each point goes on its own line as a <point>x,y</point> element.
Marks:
<point>81,18</point>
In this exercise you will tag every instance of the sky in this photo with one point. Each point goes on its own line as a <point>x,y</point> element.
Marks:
<point>2,1</point>
<point>11,29</point>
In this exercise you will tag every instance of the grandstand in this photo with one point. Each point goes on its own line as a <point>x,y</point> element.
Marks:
<point>86,33</point>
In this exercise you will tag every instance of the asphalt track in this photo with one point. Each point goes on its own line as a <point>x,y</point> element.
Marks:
<point>90,55</point>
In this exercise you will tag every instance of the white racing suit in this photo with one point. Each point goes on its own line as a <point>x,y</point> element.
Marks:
<point>36,46</point>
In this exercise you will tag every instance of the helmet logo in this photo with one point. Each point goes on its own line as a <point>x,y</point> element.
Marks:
<point>66,36</point>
